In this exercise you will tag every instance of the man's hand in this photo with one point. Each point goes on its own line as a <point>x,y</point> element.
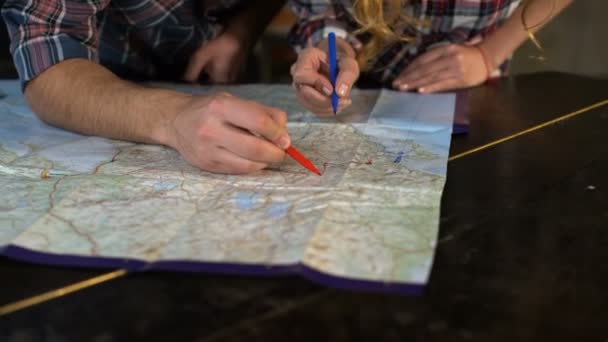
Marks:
<point>223,59</point>
<point>219,133</point>
<point>311,80</point>
<point>444,68</point>
<point>215,134</point>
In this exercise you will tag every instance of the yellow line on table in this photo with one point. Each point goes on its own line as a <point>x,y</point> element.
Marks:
<point>44,297</point>
<point>60,292</point>
<point>529,130</point>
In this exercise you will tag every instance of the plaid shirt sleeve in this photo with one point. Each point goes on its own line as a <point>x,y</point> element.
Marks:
<point>316,19</point>
<point>449,22</point>
<point>44,33</point>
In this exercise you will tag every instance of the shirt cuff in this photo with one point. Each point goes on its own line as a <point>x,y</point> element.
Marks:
<point>314,32</point>
<point>33,57</point>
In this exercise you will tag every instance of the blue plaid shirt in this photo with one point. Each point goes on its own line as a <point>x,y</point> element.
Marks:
<point>140,39</point>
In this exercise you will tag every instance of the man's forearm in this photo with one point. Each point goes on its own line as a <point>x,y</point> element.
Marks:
<point>83,96</point>
<point>504,41</point>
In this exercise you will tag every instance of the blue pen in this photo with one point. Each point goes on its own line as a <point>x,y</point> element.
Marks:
<point>333,65</point>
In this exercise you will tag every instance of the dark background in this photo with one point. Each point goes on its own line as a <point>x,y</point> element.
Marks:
<point>6,65</point>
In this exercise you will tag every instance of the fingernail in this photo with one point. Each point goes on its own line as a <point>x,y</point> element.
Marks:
<point>327,91</point>
<point>422,90</point>
<point>342,90</point>
<point>284,141</point>
<point>403,87</point>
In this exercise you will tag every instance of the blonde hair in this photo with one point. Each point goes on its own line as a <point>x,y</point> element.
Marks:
<point>381,20</point>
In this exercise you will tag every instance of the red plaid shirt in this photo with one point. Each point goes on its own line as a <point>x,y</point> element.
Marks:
<point>451,21</point>
<point>133,38</point>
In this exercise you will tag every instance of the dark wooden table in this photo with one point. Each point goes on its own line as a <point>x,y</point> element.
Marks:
<point>522,253</point>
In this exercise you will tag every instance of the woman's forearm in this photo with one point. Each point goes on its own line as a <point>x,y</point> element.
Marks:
<point>501,44</point>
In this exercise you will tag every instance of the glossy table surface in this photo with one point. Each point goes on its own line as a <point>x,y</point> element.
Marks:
<point>522,252</point>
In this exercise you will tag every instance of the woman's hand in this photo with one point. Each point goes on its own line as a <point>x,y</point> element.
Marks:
<point>311,80</point>
<point>445,68</point>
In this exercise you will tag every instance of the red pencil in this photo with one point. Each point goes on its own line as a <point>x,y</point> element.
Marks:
<point>302,160</point>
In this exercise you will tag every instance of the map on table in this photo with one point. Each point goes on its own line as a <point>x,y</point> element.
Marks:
<point>369,222</point>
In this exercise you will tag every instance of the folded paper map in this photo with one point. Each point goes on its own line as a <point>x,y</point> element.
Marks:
<point>369,222</point>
